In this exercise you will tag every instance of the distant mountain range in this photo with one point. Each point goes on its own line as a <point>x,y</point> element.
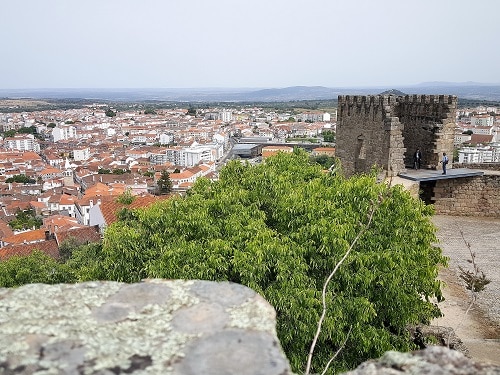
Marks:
<point>467,90</point>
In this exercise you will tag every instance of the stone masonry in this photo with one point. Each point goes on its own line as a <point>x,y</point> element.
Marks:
<point>386,130</point>
<point>154,327</point>
<point>470,196</point>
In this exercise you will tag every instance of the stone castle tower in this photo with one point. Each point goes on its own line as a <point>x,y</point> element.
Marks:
<point>386,130</point>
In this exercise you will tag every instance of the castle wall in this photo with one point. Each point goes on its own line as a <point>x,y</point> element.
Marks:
<point>369,135</point>
<point>385,130</point>
<point>429,123</point>
<point>470,196</point>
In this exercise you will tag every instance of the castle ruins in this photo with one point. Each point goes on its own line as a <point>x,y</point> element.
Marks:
<point>386,130</point>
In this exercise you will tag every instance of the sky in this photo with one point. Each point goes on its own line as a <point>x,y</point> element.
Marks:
<point>247,43</point>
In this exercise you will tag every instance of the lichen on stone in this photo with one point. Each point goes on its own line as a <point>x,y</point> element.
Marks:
<point>255,314</point>
<point>109,327</point>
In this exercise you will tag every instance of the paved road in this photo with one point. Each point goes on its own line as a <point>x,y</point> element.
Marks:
<point>480,329</point>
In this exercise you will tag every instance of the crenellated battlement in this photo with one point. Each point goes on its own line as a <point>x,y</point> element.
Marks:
<point>428,99</point>
<point>367,100</point>
<point>387,103</point>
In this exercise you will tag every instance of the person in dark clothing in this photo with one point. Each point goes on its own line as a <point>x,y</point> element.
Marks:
<point>417,158</point>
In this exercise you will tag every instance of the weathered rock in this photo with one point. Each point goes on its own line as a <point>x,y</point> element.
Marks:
<point>434,360</point>
<point>153,327</point>
<point>425,336</point>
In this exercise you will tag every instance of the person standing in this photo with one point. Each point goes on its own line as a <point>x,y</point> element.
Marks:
<point>417,158</point>
<point>444,161</point>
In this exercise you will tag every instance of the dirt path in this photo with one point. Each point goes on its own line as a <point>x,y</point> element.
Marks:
<point>479,334</point>
<point>478,329</point>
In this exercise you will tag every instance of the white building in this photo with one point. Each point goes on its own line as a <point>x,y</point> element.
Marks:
<point>461,138</point>
<point>81,154</point>
<point>226,116</point>
<point>174,155</point>
<point>486,154</point>
<point>315,116</point>
<point>481,120</point>
<point>166,139</point>
<point>485,130</point>
<point>196,155</point>
<point>63,132</point>
<point>221,139</point>
<point>22,143</point>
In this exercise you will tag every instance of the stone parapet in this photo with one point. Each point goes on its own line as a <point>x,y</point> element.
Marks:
<point>470,196</point>
<point>154,327</point>
<point>434,360</point>
<point>484,166</point>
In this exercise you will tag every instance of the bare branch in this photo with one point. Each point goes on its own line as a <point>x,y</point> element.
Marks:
<point>337,352</point>
<point>475,280</point>
<point>325,285</point>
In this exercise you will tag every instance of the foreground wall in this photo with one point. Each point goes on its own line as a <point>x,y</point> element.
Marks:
<point>154,327</point>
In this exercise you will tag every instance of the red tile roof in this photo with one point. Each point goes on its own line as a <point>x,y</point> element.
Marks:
<point>110,209</point>
<point>48,247</point>
<point>102,189</point>
<point>58,221</point>
<point>481,138</point>
<point>5,230</point>
<point>26,237</point>
<point>37,204</point>
<point>81,236</point>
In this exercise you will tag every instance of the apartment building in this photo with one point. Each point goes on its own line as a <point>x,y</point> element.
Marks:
<point>487,154</point>
<point>81,154</point>
<point>482,120</point>
<point>22,143</point>
<point>63,132</point>
<point>315,116</point>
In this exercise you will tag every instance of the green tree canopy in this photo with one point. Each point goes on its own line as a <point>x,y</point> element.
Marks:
<point>280,228</point>
<point>120,171</point>
<point>110,113</point>
<point>164,183</point>
<point>328,136</point>
<point>9,133</point>
<point>149,111</point>
<point>324,160</point>
<point>27,130</point>
<point>21,178</point>
<point>126,197</point>
<point>26,220</point>
<point>35,268</point>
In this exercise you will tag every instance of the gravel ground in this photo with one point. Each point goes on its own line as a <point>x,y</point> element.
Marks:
<point>483,234</point>
<point>479,328</point>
